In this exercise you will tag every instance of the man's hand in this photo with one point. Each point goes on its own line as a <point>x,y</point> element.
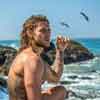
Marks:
<point>62,43</point>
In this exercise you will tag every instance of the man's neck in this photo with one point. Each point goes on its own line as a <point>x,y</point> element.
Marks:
<point>37,49</point>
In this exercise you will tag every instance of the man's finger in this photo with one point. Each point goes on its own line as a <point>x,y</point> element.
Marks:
<point>59,36</point>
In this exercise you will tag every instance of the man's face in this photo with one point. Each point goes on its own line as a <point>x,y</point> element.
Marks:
<point>42,34</point>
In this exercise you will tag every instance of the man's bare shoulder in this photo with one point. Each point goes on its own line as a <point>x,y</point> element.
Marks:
<point>32,63</point>
<point>27,55</point>
<point>30,59</point>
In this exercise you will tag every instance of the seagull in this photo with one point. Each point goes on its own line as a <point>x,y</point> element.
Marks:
<point>85,16</point>
<point>65,24</point>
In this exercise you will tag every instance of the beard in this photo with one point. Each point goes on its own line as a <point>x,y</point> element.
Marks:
<point>38,45</point>
<point>42,45</point>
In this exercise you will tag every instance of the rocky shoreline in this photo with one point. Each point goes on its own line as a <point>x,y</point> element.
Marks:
<point>75,53</point>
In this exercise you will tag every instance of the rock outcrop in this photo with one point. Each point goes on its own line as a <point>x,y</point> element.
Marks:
<point>7,54</point>
<point>75,53</point>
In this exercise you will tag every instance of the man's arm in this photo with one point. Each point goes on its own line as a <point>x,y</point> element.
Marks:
<point>58,63</point>
<point>55,72</point>
<point>32,78</point>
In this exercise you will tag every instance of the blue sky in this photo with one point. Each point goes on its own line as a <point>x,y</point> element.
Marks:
<point>13,13</point>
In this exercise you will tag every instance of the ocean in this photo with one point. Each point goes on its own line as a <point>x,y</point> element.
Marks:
<point>83,78</point>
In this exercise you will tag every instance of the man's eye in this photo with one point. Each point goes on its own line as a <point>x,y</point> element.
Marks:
<point>45,30</point>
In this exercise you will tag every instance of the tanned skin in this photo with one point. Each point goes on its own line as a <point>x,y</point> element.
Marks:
<point>28,71</point>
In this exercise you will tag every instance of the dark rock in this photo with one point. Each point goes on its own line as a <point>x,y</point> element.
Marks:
<point>74,53</point>
<point>2,57</point>
<point>7,54</point>
<point>68,82</point>
<point>49,54</point>
<point>73,77</point>
<point>85,78</point>
<point>93,70</point>
<point>3,81</point>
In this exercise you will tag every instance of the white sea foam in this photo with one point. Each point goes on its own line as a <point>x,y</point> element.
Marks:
<point>14,46</point>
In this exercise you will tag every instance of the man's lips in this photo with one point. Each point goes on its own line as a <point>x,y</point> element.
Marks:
<point>47,39</point>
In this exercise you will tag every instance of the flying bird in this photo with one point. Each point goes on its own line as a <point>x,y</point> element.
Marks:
<point>85,16</point>
<point>65,24</point>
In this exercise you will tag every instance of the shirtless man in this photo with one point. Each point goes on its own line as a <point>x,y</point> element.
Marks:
<point>28,71</point>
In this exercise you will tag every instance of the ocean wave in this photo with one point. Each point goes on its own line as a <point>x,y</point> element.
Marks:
<point>14,46</point>
<point>84,67</point>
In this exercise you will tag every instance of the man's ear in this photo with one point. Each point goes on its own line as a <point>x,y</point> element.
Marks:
<point>29,33</point>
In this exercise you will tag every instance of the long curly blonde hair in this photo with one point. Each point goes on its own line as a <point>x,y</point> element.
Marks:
<point>30,24</point>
